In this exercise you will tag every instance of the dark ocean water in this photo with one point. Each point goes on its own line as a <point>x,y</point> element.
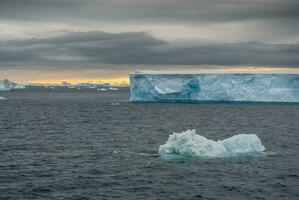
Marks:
<point>82,144</point>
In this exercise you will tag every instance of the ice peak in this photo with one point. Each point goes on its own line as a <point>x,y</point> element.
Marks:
<point>6,85</point>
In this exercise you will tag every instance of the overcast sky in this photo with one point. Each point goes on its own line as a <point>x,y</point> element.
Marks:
<point>65,34</point>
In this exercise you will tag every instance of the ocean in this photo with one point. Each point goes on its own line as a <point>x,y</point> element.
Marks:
<point>89,144</point>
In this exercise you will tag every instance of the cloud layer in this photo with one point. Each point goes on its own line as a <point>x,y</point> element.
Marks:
<point>95,48</point>
<point>150,10</point>
<point>70,33</point>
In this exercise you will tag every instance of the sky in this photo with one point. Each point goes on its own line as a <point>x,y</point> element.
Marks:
<point>104,40</point>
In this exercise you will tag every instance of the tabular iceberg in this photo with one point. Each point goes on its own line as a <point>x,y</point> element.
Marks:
<point>191,144</point>
<point>194,87</point>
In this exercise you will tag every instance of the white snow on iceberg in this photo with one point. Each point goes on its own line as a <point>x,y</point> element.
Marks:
<point>195,87</point>
<point>191,144</point>
<point>6,85</point>
<point>2,98</point>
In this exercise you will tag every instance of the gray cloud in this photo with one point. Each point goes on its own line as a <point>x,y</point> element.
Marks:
<point>95,48</point>
<point>188,11</point>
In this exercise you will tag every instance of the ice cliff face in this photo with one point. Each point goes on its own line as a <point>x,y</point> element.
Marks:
<point>6,85</point>
<point>171,87</point>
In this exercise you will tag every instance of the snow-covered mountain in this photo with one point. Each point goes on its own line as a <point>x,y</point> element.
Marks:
<point>6,85</point>
<point>97,86</point>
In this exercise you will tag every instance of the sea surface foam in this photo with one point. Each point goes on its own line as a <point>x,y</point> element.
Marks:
<point>189,143</point>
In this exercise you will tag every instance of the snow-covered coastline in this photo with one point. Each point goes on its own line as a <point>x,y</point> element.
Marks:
<point>7,85</point>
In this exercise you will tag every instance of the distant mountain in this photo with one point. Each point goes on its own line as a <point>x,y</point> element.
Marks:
<point>98,86</point>
<point>6,85</point>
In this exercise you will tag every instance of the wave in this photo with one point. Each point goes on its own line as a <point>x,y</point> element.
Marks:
<point>189,143</point>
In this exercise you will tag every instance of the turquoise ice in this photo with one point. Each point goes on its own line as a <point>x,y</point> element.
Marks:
<point>196,87</point>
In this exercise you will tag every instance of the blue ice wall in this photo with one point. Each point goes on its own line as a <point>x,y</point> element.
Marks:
<point>172,87</point>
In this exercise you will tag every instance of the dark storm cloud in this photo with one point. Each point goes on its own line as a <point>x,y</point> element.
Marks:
<point>86,48</point>
<point>277,20</point>
<point>188,11</point>
<point>95,48</point>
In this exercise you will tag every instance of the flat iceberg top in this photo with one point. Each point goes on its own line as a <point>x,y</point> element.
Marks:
<point>224,71</point>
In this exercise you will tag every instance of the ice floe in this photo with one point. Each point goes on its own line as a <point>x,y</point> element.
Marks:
<point>189,143</point>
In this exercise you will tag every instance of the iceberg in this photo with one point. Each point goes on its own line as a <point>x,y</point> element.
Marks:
<point>2,98</point>
<point>113,88</point>
<point>102,89</point>
<point>191,144</point>
<point>151,86</point>
<point>6,85</point>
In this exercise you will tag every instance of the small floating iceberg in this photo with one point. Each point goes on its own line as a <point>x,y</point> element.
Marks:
<point>113,88</point>
<point>191,144</point>
<point>102,89</point>
<point>2,98</point>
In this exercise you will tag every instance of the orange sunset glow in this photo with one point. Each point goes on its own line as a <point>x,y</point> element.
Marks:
<point>112,81</point>
<point>120,77</point>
